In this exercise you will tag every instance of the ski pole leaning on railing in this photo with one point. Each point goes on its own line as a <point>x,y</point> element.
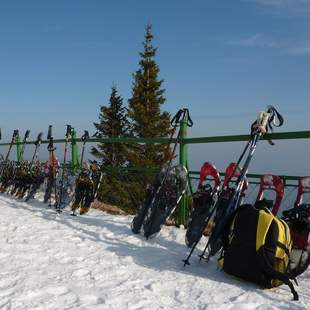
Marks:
<point>26,136</point>
<point>13,141</point>
<point>59,200</point>
<point>84,138</point>
<point>264,122</point>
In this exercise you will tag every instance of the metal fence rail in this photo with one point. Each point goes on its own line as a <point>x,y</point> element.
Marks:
<point>184,142</point>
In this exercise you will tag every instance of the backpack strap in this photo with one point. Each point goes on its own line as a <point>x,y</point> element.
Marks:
<point>283,246</point>
<point>284,277</point>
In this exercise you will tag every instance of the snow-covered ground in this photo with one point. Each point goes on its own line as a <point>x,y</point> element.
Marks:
<point>95,262</point>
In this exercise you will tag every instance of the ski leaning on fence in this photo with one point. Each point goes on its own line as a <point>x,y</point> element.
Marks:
<point>172,180</point>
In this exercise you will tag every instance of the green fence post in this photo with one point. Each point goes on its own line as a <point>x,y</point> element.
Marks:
<point>18,149</point>
<point>74,152</point>
<point>183,161</point>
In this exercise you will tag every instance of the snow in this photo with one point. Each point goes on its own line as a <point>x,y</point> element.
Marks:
<point>95,262</point>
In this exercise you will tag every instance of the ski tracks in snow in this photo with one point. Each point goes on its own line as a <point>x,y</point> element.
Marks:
<point>95,262</point>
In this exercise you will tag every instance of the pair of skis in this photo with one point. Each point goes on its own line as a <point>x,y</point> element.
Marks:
<point>263,123</point>
<point>166,192</point>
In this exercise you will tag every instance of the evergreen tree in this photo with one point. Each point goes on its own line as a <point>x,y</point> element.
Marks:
<point>145,107</point>
<point>113,122</point>
<point>147,120</point>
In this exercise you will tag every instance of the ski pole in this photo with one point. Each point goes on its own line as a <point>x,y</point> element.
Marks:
<point>59,198</point>
<point>184,114</point>
<point>27,133</point>
<point>37,145</point>
<point>175,122</point>
<point>186,261</point>
<point>214,207</point>
<point>13,140</point>
<point>15,134</point>
<point>264,122</point>
<point>52,170</point>
<point>84,138</point>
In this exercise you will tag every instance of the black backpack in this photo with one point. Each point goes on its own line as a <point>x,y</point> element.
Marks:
<point>256,248</point>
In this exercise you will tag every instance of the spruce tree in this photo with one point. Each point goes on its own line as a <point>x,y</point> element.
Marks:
<point>147,119</point>
<point>145,107</point>
<point>113,122</point>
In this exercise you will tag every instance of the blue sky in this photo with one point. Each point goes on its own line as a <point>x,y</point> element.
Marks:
<point>224,60</point>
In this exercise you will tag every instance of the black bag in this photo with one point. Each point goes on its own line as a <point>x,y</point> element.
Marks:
<point>257,247</point>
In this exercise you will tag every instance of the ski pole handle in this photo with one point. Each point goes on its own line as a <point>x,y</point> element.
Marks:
<point>274,115</point>
<point>69,131</point>
<point>49,133</point>
<point>181,115</point>
<point>27,133</point>
<point>85,136</point>
<point>262,122</point>
<point>266,119</point>
<point>15,133</point>
<point>176,119</point>
<point>39,139</point>
<point>189,120</point>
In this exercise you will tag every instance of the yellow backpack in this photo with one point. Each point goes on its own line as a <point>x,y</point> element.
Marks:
<point>257,248</point>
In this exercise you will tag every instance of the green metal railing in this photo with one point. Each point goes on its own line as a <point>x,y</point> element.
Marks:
<point>183,149</point>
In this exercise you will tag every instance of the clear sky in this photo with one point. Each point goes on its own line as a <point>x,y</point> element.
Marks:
<point>223,59</point>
